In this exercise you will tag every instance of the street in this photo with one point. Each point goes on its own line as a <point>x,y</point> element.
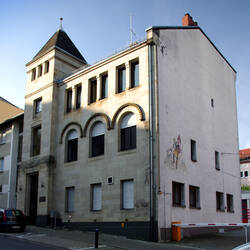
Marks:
<point>8,243</point>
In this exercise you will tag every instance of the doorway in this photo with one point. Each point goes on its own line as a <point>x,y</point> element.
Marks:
<point>33,181</point>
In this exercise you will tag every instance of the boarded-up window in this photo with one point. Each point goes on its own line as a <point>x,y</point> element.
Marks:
<point>70,199</point>
<point>127,194</point>
<point>96,197</point>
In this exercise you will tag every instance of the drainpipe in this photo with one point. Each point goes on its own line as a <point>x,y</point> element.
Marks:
<point>151,149</point>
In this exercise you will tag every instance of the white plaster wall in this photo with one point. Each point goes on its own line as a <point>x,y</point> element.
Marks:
<point>191,72</point>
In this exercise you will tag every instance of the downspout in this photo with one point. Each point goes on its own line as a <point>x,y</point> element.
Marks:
<point>151,149</point>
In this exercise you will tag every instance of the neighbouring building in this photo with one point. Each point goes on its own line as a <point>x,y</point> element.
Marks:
<point>11,126</point>
<point>135,141</point>
<point>245,182</point>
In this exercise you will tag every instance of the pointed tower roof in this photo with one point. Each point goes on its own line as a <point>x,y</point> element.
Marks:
<point>62,41</point>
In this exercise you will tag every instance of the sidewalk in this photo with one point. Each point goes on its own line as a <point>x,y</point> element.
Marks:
<point>78,240</point>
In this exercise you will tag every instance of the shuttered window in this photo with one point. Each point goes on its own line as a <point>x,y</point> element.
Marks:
<point>70,199</point>
<point>128,194</point>
<point>97,137</point>
<point>128,132</point>
<point>72,146</point>
<point>96,197</point>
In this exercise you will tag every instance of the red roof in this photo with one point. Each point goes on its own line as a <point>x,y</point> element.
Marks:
<point>244,153</point>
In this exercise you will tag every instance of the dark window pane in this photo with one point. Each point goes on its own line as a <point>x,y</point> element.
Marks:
<point>97,145</point>
<point>193,151</point>
<point>121,79</point>
<point>19,152</point>
<point>78,97</point>
<point>128,138</point>
<point>72,149</point>
<point>104,86</point>
<point>69,101</point>
<point>134,74</point>
<point>36,141</point>
<point>93,86</point>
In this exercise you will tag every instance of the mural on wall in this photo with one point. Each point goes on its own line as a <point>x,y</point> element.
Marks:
<point>174,154</point>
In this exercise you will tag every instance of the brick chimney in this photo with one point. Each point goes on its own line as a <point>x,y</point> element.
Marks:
<point>187,20</point>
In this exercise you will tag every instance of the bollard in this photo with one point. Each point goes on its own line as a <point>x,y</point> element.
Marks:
<point>96,237</point>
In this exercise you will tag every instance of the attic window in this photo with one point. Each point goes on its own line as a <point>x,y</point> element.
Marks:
<point>33,76</point>
<point>40,70</point>
<point>46,67</point>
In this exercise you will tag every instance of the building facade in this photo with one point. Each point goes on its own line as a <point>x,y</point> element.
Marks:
<point>135,141</point>
<point>245,183</point>
<point>11,126</point>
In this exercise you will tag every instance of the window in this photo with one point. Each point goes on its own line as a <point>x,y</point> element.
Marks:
<point>71,146</point>
<point>68,100</point>
<point>97,139</point>
<point>36,141</point>
<point>33,75</point>
<point>241,174</point>
<point>121,84</point>
<point>78,96</point>
<point>212,102</point>
<point>1,190</point>
<point>217,160</point>
<point>40,70</point>
<point>194,197</point>
<point>178,194</point>
<point>128,132</point>
<point>20,126</point>
<point>230,203</point>
<point>193,150</point>
<point>2,138</point>
<point>70,199</point>
<point>19,152</point>
<point>246,173</point>
<point>96,190</point>
<point>127,194</point>
<point>104,86</point>
<point>93,89</point>
<point>1,164</point>
<point>134,74</point>
<point>219,201</point>
<point>38,105</point>
<point>46,67</point>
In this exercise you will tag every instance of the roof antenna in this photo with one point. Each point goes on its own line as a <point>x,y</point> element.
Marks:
<point>61,19</point>
<point>132,33</point>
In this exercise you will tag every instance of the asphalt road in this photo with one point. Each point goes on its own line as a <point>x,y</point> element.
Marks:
<point>9,243</point>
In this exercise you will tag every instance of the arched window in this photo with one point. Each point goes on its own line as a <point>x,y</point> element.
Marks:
<point>71,146</point>
<point>128,132</point>
<point>97,139</point>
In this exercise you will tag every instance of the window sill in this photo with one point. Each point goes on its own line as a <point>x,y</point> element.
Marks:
<point>96,211</point>
<point>193,160</point>
<point>128,151</point>
<point>231,212</point>
<point>70,163</point>
<point>98,157</point>
<point>220,210</point>
<point>177,205</point>
<point>218,169</point>
<point>134,88</point>
<point>127,209</point>
<point>197,208</point>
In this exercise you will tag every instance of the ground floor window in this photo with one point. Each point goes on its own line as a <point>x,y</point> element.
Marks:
<point>178,194</point>
<point>96,190</point>
<point>230,203</point>
<point>127,194</point>
<point>220,201</point>
<point>70,199</point>
<point>194,197</point>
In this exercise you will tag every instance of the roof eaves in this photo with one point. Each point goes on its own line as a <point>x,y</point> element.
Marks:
<point>12,118</point>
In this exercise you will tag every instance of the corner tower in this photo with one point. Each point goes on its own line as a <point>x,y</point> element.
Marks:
<point>55,60</point>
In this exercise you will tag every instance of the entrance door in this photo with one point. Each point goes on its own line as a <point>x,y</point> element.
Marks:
<point>33,198</point>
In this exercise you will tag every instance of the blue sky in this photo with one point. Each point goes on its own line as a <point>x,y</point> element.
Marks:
<point>99,28</point>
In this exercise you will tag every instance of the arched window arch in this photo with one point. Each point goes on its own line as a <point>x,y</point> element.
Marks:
<point>128,132</point>
<point>97,139</point>
<point>71,146</point>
